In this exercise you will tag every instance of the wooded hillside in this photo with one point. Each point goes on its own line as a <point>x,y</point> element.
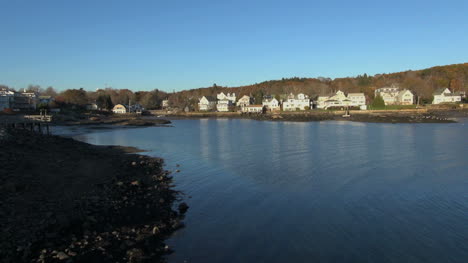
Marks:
<point>421,82</point>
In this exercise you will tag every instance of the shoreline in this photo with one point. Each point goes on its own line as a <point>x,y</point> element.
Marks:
<point>375,116</point>
<point>64,200</point>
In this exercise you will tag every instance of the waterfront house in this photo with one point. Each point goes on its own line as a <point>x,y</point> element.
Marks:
<point>165,104</point>
<point>223,105</point>
<point>6,99</point>
<point>135,108</point>
<point>341,100</point>
<point>229,96</point>
<point>24,101</point>
<point>299,102</point>
<point>444,95</point>
<point>207,103</point>
<point>253,109</point>
<point>120,109</point>
<point>393,95</point>
<point>244,101</point>
<point>271,104</point>
<point>356,99</point>
<point>405,97</point>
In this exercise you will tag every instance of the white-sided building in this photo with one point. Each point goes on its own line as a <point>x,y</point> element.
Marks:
<point>357,99</point>
<point>120,109</point>
<point>445,96</point>
<point>165,104</point>
<point>393,95</point>
<point>299,102</point>
<point>244,101</point>
<point>253,109</point>
<point>223,105</point>
<point>405,97</point>
<point>228,96</point>
<point>207,103</point>
<point>341,100</point>
<point>272,104</point>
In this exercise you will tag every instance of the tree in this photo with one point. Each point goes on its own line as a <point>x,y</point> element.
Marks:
<point>50,91</point>
<point>75,96</point>
<point>104,101</point>
<point>378,102</point>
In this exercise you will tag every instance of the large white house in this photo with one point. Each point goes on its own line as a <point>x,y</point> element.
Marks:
<point>228,96</point>
<point>244,101</point>
<point>271,103</point>
<point>445,96</point>
<point>394,96</point>
<point>223,105</point>
<point>405,97</point>
<point>341,100</point>
<point>299,102</point>
<point>207,103</point>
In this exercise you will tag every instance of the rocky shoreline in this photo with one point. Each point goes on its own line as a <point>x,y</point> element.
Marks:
<point>426,116</point>
<point>67,201</point>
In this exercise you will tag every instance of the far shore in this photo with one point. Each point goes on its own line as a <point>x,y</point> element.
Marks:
<point>163,118</point>
<point>376,116</point>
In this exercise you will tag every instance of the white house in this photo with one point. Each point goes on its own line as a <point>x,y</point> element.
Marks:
<point>272,104</point>
<point>394,96</point>
<point>405,97</point>
<point>253,109</point>
<point>228,96</point>
<point>120,109</point>
<point>445,96</point>
<point>341,100</point>
<point>223,105</point>
<point>244,101</point>
<point>299,102</point>
<point>357,99</point>
<point>207,103</point>
<point>165,103</point>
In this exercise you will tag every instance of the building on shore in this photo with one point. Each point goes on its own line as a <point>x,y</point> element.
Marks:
<point>444,95</point>
<point>165,104</point>
<point>339,99</point>
<point>299,102</point>
<point>229,96</point>
<point>120,109</point>
<point>244,101</point>
<point>207,103</point>
<point>393,95</point>
<point>405,97</point>
<point>271,103</point>
<point>25,101</point>
<point>6,99</point>
<point>224,105</point>
<point>253,109</point>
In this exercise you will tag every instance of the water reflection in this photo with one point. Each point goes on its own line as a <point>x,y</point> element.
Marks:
<point>314,192</point>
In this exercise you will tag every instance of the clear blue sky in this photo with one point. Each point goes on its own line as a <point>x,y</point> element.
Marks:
<point>143,45</point>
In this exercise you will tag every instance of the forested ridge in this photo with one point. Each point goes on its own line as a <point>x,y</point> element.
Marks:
<point>421,82</point>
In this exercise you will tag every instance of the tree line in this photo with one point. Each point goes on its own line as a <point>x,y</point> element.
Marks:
<point>421,82</point>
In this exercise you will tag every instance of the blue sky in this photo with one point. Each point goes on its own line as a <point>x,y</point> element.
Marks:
<point>176,45</point>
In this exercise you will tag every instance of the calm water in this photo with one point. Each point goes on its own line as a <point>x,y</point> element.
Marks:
<point>314,192</point>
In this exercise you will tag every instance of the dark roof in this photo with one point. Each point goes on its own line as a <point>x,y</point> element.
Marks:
<point>438,91</point>
<point>210,98</point>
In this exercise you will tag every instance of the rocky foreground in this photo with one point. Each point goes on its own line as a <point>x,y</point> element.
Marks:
<point>66,201</point>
